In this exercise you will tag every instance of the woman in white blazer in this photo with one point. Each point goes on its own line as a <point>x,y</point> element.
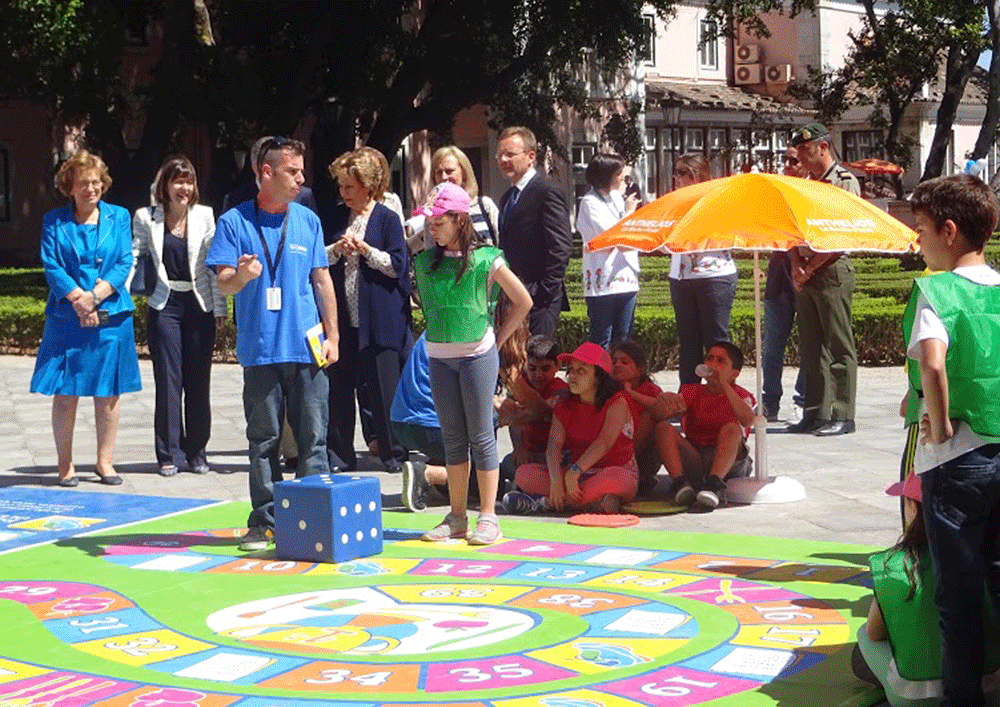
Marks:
<point>184,310</point>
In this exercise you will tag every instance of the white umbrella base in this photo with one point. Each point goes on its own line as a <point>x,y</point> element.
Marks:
<point>774,489</point>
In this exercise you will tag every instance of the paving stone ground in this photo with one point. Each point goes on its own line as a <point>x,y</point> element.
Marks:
<point>844,477</point>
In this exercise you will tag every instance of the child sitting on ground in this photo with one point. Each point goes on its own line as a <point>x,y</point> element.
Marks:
<point>528,407</point>
<point>717,419</point>
<point>952,333</point>
<point>628,361</point>
<point>899,647</point>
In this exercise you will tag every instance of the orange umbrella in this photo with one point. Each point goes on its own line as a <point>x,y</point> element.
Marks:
<point>872,165</point>
<point>759,212</point>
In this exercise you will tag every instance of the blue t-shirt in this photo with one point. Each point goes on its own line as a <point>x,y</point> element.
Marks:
<point>264,336</point>
<point>412,402</point>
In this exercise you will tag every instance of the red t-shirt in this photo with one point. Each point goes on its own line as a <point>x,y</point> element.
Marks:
<point>535,434</point>
<point>707,413</point>
<point>583,424</point>
<point>647,388</point>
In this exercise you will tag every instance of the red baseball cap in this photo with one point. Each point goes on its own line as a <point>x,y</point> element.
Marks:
<point>589,353</point>
<point>909,488</point>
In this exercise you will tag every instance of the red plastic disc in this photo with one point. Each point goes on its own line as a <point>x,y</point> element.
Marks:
<point>602,520</point>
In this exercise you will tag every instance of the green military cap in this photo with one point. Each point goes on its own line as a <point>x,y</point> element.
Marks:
<point>807,133</point>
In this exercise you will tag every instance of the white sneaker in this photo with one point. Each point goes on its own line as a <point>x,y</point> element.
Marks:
<point>795,415</point>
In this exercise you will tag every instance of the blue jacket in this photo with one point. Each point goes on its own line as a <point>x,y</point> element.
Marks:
<point>383,302</point>
<point>62,262</point>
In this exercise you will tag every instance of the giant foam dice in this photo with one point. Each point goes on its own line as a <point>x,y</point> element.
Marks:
<point>328,518</point>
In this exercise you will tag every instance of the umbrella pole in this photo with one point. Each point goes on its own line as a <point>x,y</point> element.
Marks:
<point>760,420</point>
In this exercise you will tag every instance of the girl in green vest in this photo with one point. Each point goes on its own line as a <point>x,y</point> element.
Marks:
<point>899,647</point>
<point>459,283</point>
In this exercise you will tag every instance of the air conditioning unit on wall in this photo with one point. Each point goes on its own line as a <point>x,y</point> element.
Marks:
<point>748,74</point>
<point>778,73</point>
<point>748,54</point>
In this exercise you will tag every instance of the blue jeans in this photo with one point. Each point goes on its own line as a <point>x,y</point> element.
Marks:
<point>611,317</point>
<point>961,500</point>
<point>268,391</point>
<point>779,316</point>
<point>462,389</point>
<point>702,309</point>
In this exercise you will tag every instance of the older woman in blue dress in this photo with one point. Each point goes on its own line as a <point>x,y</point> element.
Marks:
<point>88,345</point>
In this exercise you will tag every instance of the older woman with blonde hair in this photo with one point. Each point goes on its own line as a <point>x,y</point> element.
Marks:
<point>451,164</point>
<point>88,345</point>
<point>370,269</point>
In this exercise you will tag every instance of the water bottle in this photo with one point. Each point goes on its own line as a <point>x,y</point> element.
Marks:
<point>702,370</point>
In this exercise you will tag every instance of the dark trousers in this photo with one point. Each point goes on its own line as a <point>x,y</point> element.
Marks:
<point>702,309</point>
<point>611,317</point>
<point>301,389</point>
<point>377,370</point>
<point>779,316</point>
<point>826,342</point>
<point>961,500</point>
<point>181,338</point>
<point>543,319</point>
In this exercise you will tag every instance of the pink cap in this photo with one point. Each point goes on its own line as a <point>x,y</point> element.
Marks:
<point>909,488</point>
<point>443,198</point>
<point>589,353</point>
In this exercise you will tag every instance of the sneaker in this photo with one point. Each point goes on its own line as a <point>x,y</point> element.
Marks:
<point>414,486</point>
<point>684,493</point>
<point>202,468</point>
<point>710,492</point>
<point>487,530</point>
<point>609,505</point>
<point>256,538</point>
<point>519,503</point>
<point>168,470</point>
<point>453,526</point>
<point>795,415</point>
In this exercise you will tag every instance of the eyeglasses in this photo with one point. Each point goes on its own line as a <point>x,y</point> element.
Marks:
<point>275,142</point>
<point>793,161</point>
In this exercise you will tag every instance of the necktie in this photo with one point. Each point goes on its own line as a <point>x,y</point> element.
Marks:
<point>509,206</point>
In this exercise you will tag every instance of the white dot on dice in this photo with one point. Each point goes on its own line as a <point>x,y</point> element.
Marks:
<point>357,507</point>
<point>284,503</point>
<point>344,538</point>
<point>359,536</point>
<point>302,525</point>
<point>371,505</point>
<point>343,511</point>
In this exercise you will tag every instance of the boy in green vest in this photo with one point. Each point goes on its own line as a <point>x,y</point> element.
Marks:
<point>952,329</point>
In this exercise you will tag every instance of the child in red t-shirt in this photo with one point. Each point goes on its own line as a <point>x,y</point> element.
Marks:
<point>628,366</point>
<point>595,427</point>
<point>717,416</point>
<point>533,394</point>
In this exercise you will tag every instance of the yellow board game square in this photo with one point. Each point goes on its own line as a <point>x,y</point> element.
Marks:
<point>593,655</point>
<point>643,581</point>
<point>455,593</point>
<point>145,647</point>
<point>11,670</point>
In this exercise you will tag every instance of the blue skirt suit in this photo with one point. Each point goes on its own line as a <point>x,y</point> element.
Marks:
<point>87,361</point>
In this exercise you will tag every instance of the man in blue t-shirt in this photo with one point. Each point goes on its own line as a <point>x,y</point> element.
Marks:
<point>269,253</point>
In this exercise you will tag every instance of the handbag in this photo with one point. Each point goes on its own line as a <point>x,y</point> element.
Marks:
<point>143,276</point>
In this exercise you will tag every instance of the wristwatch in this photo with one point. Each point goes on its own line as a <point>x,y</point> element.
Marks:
<point>574,467</point>
<point>97,299</point>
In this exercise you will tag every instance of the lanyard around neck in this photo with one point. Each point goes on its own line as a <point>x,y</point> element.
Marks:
<point>272,268</point>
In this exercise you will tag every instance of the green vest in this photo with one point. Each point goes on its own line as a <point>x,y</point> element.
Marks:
<point>913,625</point>
<point>971,315</point>
<point>457,312</point>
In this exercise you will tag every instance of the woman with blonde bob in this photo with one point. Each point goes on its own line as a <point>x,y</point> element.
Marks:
<point>184,310</point>
<point>370,270</point>
<point>88,345</point>
<point>450,164</point>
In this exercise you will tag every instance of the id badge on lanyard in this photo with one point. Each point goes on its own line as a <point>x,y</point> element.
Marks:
<point>273,292</point>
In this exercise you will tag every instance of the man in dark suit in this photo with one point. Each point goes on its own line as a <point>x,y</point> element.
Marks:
<point>534,229</point>
<point>248,190</point>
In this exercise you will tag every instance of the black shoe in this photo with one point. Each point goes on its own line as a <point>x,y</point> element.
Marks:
<point>291,464</point>
<point>806,424</point>
<point>70,481</point>
<point>771,412</point>
<point>110,480</point>
<point>834,427</point>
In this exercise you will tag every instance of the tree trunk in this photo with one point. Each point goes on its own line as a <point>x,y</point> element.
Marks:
<point>991,121</point>
<point>959,66</point>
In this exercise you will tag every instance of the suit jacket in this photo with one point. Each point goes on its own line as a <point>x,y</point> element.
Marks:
<point>248,191</point>
<point>536,239</point>
<point>62,262</point>
<point>147,237</point>
<point>383,302</point>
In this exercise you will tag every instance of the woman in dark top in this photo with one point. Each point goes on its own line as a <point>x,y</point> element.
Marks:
<point>184,310</point>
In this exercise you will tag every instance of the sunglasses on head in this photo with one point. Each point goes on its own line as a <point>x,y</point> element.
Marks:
<point>272,143</point>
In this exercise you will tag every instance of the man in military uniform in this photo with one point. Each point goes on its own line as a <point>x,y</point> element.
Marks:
<point>825,284</point>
